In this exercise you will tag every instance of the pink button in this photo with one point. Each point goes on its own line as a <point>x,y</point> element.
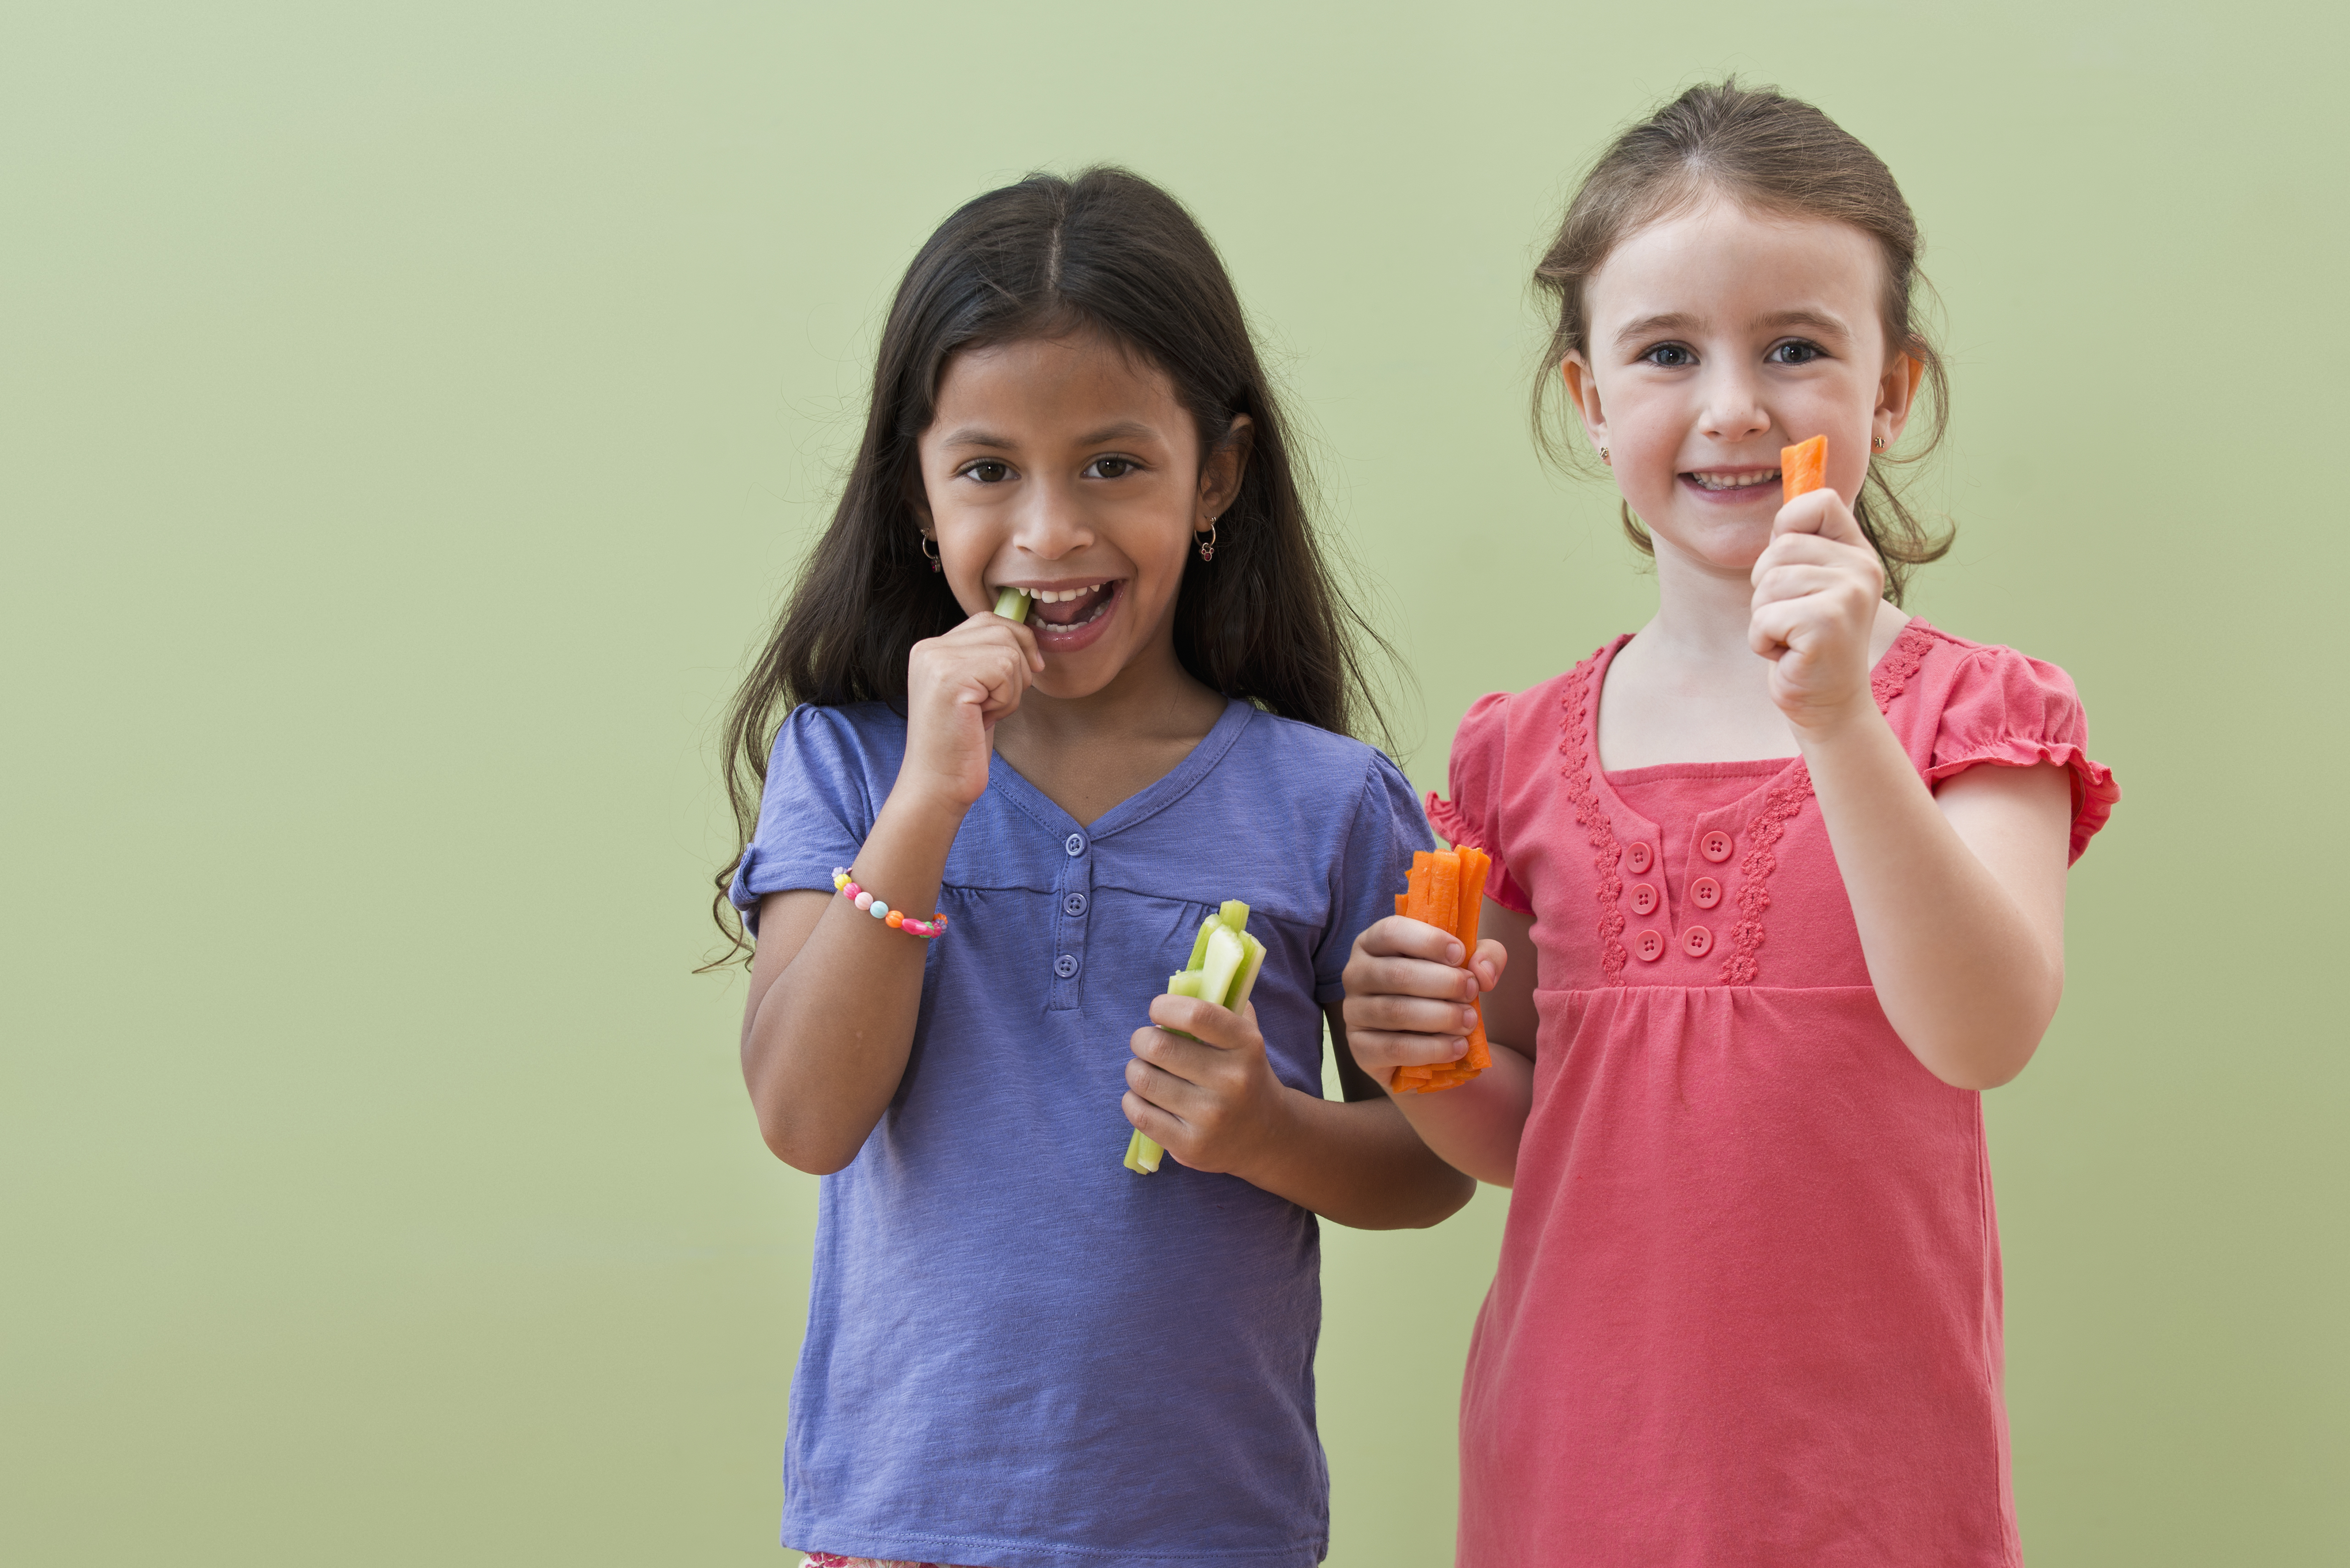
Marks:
<point>1705,892</point>
<point>1697,941</point>
<point>1714,846</point>
<point>1649,947</point>
<point>1644,900</point>
<point>1638,858</point>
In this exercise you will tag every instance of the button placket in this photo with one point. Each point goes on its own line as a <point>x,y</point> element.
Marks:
<point>1072,902</point>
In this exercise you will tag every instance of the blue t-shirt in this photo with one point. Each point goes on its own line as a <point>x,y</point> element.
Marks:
<point>1019,1353</point>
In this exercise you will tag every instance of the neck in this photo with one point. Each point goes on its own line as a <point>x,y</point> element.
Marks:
<point>1153,696</point>
<point>1702,612</point>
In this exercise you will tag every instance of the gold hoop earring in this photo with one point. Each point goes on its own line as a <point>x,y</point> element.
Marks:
<point>1208,544</point>
<point>931,553</point>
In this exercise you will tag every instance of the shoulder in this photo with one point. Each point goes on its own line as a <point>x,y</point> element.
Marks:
<point>856,738</point>
<point>1308,754</point>
<point>1981,684</point>
<point>1502,722</point>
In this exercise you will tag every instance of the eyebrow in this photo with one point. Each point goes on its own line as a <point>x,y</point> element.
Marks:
<point>1681,321</point>
<point>978,436</point>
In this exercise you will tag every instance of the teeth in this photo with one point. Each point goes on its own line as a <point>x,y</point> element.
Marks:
<point>1742,482</point>
<point>1058,596</point>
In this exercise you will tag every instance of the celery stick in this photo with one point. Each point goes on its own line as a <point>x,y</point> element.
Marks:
<point>1011,604</point>
<point>1245,981</point>
<point>1225,962</point>
<point>1226,953</point>
<point>1200,943</point>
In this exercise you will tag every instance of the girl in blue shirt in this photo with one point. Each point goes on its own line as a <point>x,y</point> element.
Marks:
<point>1019,1354</point>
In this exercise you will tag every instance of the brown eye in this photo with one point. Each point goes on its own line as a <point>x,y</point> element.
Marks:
<point>990,472</point>
<point>1111,467</point>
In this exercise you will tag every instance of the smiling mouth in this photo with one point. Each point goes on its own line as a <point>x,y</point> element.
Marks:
<point>1722,482</point>
<point>1064,608</point>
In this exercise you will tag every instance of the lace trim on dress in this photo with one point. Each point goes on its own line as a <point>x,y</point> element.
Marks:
<point>1575,743</point>
<point>1769,824</point>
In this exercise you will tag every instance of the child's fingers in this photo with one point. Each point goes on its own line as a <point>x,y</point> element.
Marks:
<point>1393,1014</point>
<point>1396,936</point>
<point>1204,1020</point>
<point>1795,582</point>
<point>1379,1052</point>
<point>1493,959</point>
<point>1772,630</point>
<point>1822,512</point>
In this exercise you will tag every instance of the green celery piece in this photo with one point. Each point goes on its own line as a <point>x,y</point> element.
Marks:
<point>1011,604</point>
<point>1245,981</point>
<point>1226,953</point>
<point>1225,961</point>
<point>1200,943</point>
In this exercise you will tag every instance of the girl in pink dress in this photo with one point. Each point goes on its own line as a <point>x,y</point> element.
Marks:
<point>1777,890</point>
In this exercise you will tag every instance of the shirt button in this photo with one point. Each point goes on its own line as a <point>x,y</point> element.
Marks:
<point>1644,900</point>
<point>1714,846</point>
<point>1075,844</point>
<point>1075,904</point>
<point>1648,947</point>
<point>1705,892</point>
<point>1697,941</point>
<point>1065,965</point>
<point>1638,858</point>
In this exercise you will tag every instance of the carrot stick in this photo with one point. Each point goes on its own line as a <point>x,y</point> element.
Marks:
<point>1803,467</point>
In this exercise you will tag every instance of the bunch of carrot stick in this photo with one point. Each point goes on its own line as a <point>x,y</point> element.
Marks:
<point>1447,890</point>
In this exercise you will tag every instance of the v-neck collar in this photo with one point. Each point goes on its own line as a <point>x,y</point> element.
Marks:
<point>1145,802</point>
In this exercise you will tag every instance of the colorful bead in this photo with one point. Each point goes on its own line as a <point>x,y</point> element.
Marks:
<point>896,919</point>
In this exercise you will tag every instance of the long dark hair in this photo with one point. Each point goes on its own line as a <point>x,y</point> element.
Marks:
<point>1106,252</point>
<point>1775,154</point>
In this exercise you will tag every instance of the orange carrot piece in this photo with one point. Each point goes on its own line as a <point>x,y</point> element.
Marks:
<point>1803,467</point>
<point>1440,904</point>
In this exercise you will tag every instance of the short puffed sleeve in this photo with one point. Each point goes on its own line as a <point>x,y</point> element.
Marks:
<point>1474,815</point>
<point>816,810</point>
<point>2009,710</point>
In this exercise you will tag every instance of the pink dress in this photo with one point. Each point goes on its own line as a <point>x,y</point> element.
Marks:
<point>1748,1304</point>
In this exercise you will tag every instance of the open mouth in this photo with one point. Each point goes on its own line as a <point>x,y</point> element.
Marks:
<point>1066,618</point>
<point>1720,482</point>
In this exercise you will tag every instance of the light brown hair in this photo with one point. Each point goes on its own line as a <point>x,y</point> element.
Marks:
<point>1770,154</point>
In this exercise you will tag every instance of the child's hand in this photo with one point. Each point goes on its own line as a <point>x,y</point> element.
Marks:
<point>957,687</point>
<point>1409,987</point>
<point>1213,1101</point>
<point>1816,588</point>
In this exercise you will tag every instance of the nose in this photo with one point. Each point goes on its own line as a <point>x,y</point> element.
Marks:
<point>1053,521</point>
<point>1732,408</point>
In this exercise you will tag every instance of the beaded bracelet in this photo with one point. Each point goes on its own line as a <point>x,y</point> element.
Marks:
<point>897,921</point>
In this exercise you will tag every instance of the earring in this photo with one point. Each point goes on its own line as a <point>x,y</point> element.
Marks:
<point>931,553</point>
<point>1208,544</point>
<point>1605,458</point>
<point>1878,444</point>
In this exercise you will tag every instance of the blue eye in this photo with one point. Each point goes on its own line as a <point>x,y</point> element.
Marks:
<point>1795,351</point>
<point>1669,355</point>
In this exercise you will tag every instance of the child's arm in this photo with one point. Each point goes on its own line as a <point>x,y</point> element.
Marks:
<point>1214,1103</point>
<point>1959,895</point>
<point>835,993</point>
<point>1406,1002</point>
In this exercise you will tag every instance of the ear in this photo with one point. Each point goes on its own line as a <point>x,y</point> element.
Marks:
<point>1582,392</point>
<point>1896,396</point>
<point>918,499</point>
<point>1220,474</point>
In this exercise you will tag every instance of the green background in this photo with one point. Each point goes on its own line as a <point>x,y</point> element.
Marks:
<point>409,415</point>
